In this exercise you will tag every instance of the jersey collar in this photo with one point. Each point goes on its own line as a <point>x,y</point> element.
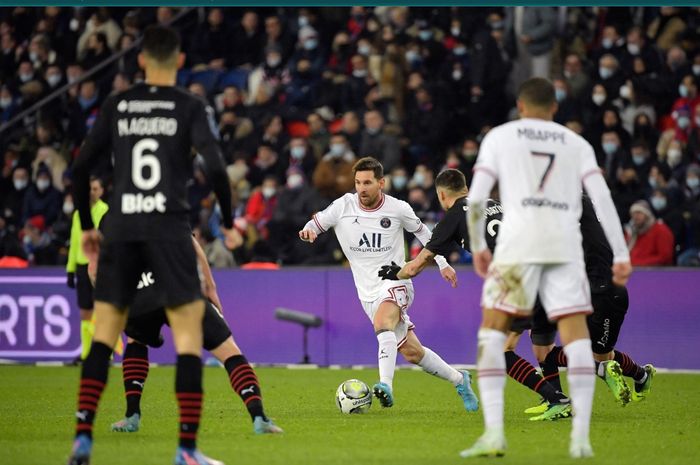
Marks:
<point>381,203</point>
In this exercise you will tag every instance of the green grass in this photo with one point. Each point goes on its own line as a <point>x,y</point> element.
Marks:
<point>426,426</point>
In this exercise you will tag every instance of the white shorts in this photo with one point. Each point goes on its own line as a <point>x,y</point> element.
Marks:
<point>563,288</point>
<point>402,295</point>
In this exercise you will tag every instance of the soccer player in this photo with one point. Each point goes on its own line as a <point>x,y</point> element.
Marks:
<point>149,131</point>
<point>369,225</point>
<point>147,317</point>
<point>77,265</point>
<point>540,167</point>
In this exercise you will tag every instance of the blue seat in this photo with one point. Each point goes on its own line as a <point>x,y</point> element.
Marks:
<point>183,77</point>
<point>236,77</point>
<point>209,79</point>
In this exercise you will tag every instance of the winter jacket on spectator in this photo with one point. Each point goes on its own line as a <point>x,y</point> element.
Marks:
<point>383,147</point>
<point>333,175</point>
<point>539,23</point>
<point>42,199</point>
<point>649,240</point>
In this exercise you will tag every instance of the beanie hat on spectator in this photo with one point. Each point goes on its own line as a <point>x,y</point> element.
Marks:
<point>642,206</point>
<point>38,222</point>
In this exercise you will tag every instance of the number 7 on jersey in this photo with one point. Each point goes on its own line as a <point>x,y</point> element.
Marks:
<point>547,170</point>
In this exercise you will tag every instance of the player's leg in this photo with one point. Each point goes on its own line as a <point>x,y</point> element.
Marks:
<point>134,374</point>
<point>244,382</point>
<point>385,320</point>
<point>414,352</point>
<point>85,303</point>
<point>565,294</point>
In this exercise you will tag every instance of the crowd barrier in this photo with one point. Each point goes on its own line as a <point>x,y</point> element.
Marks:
<point>39,319</point>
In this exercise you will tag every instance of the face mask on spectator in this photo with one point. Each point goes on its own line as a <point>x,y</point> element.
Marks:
<point>373,131</point>
<point>399,182</point>
<point>683,90</point>
<point>33,56</point>
<point>27,240</point>
<point>419,178</point>
<point>297,152</point>
<point>19,184</point>
<point>460,51</point>
<point>364,49</point>
<point>607,43</point>
<point>692,183</point>
<point>53,80</point>
<point>605,73</point>
<point>625,92</point>
<point>633,49</point>
<point>598,99</point>
<point>659,203</point>
<point>497,25</point>
<point>294,181</point>
<point>455,31</point>
<point>412,56</point>
<point>68,208</point>
<point>337,149</point>
<point>609,147</point>
<point>673,157</point>
<point>26,77</point>
<point>268,191</point>
<point>652,182</point>
<point>425,34</point>
<point>457,75</point>
<point>470,154</point>
<point>272,62</point>
<point>683,122</point>
<point>310,44</point>
<point>42,184</point>
<point>74,24</point>
<point>359,73</point>
<point>638,160</point>
<point>560,94</point>
<point>5,102</point>
<point>86,103</point>
<point>696,70</point>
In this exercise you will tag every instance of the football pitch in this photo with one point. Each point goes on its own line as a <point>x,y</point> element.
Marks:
<point>427,425</point>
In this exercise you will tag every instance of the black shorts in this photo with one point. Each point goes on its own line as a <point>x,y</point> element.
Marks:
<point>146,327</point>
<point>83,288</point>
<point>605,322</point>
<point>542,331</point>
<point>173,262</point>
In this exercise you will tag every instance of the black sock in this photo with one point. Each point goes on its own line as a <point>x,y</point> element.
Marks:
<point>188,389</point>
<point>629,366</point>
<point>134,372</point>
<point>523,372</point>
<point>550,367</point>
<point>245,384</point>
<point>92,382</point>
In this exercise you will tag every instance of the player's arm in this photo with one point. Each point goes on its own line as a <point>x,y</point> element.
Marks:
<point>418,264</point>
<point>204,135</point>
<point>208,283</point>
<point>482,183</point>
<point>322,221</point>
<point>598,191</point>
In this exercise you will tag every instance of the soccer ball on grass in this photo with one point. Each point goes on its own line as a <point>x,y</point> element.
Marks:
<point>353,396</point>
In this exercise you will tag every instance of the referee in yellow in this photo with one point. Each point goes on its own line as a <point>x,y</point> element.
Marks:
<point>77,266</point>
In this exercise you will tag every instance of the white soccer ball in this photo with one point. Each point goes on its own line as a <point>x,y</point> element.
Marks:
<point>353,396</point>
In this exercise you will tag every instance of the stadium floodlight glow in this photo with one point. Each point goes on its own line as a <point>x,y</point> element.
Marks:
<point>306,320</point>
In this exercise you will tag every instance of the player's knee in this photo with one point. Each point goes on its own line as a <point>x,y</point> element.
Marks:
<point>412,354</point>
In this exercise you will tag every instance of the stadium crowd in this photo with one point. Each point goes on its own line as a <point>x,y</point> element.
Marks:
<point>301,93</point>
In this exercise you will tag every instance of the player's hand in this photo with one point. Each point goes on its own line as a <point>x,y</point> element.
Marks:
<point>389,272</point>
<point>482,260</point>
<point>450,275</point>
<point>307,235</point>
<point>70,281</point>
<point>210,294</point>
<point>91,243</point>
<point>232,238</point>
<point>621,273</point>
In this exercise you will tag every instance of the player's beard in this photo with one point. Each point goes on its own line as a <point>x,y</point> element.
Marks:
<point>369,202</point>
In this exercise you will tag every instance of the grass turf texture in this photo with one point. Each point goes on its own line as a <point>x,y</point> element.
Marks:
<point>427,425</point>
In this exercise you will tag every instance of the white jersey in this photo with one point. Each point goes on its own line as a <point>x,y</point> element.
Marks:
<point>540,166</point>
<point>370,238</point>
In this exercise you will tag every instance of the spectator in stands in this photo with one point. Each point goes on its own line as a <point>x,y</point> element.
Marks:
<point>610,75</point>
<point>568,107</point>
<point>333,175</point>
<point>376,143</point>
<point>637,47</point>
<point>249,41</point>
<point>650,241</point>
<point>277,36</point>
<point>300,93</point>
<point>211,45</point>
<point>10,245</point>
<point>8,104</point>
<point>37,242</point>
<point>425,122</point>
<point>120,83</point>
<point>532,31</point>
<point>97,50</point>
<point>83,111</point>
<point>49,158</point>
<point>578,80</point>
<point>267,79</point>
<point>54,77</point>
<point>398,182</point>
<point>237,135</point>
<point>260,208</point>
<point>13,201</point>
<point>266,164</point>
<point>300,157</point>
<point>319,136</point>
<point>42,198</point>
<point>100,21</point>
<point>350,127</point>
<point>273,133</point>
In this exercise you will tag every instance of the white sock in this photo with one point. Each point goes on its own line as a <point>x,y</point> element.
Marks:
<point>491,366</point>
<point>581,376</point>
<point>433,364</point>
<point>386,357</point>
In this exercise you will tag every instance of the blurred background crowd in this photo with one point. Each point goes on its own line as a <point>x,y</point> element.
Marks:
<point>301,93</point>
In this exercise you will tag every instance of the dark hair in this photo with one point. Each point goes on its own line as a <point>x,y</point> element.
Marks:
<point>452,180</point>
<point>369,164</point>
<point>538,92</point>
<point>160,42</point>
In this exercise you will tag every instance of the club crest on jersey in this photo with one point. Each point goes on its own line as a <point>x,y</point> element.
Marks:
<point>385,223</point>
